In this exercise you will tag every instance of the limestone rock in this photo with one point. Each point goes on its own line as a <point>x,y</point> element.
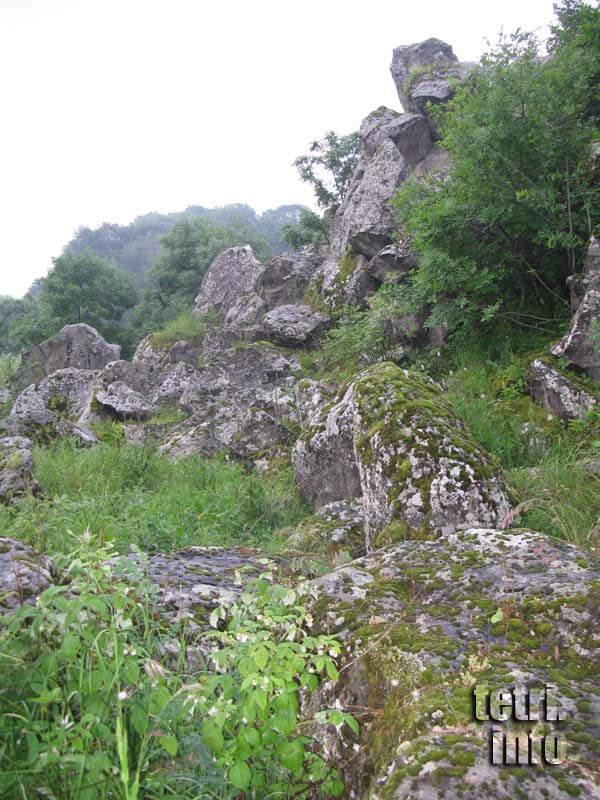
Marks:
<point>294,326</point>
<point>409,132</point>
<point>309,397</point>
<point>123,403</point>
<point>429,55</point>
<point>580,345</point>
<point>391,438</point>
<point>79,346</point>
<point>46,426</point>
<point>68,391</point>
<point>16,469</point>
<point>365,220</point>
<point>24,574</point>
<point>233,274</point>
<point>393,262</point>
<point>562,396</point>
<point>416,622</point>
<point>287,277</point>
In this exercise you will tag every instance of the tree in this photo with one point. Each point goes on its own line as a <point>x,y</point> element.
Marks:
<point>309,229</point>
<point>188,251</point>
<point>329,166</point>
<point>83,287</point>
<point>499,236</point>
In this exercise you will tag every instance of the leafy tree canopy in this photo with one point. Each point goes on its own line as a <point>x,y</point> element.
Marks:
<point>498,237</point>
<point>329,165</point>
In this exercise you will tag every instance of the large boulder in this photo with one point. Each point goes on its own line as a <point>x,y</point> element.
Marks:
<point>391,438</point>
<point>580,345</point>
<point>68,391</point>
<point>294,326</point>
<point>233,274</point>
<point>79,346</point>
<point>16,469</point>
<point>423,623</point>
<point>563,396</point>
<point>425,59</point>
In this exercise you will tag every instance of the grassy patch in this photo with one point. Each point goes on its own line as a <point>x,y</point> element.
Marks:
<point>133,495</point>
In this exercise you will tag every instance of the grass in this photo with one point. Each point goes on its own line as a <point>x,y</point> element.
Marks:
<point>132,495</point>
<point>187,326</point>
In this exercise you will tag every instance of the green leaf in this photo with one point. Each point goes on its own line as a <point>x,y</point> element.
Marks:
<point>240,775</point>
<point>212,736</point>
<point>261,657</point>
<point>497,617</point>
<point>291,755</point>
<point>332,670</point>
<point>139,720</point>
<point>169,743</point>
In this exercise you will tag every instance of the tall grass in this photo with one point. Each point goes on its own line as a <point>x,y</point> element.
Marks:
<point>133,495</point>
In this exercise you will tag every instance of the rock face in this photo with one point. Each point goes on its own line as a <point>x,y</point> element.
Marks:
<point>16,469</point>
<point>24,574</point>
<point>233,274</point>
<point>79,346</point>
<point>391,438</point>
<point>287,277</point>
<point>294,326</point>
<point>417,622</point>
<point>580,346</point>
<point>124,403</point>
<point>561,395</point>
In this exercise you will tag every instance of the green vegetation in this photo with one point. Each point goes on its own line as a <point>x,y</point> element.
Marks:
<point>497,239</point>
<point>187,326</point>
<point>92,710</point>
<point>329,166</point>
<point>131,495</point>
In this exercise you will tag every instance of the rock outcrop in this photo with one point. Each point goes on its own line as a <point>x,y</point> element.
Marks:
<point>233,274</point>
<point>392,439</point>
<point>581,345</point>
<point>420,73</point>
<point>563,396</point>
<point>424,622</point>
<point>79,346</point>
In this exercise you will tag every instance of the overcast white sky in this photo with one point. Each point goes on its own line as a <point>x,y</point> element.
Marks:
<point>113,108</point>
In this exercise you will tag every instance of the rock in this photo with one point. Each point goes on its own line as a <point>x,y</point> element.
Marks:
<point>563,396</point>
<point>67,391</point>
<point>416,624</point>
<point>581,345</point>
<point>233,274</point>
<point>122,403</point>
<point>409,132</point>
<point>192,582</point>
<point>333,535</point>
<point>365,220</point>
<point>79,346</point>
<point>4,396</point>
<point>287,277</point>
<point>391,438</point>
<point>46,426</point>
<point>16,469</point>
<point>429,56</point>
<point>24,574</point>
<point>393,262</point>
<point>309,397</point>
<point>248,311</point>
<point>294,326</point>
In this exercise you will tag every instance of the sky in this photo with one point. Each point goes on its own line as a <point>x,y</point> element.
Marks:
<point>115,108</point>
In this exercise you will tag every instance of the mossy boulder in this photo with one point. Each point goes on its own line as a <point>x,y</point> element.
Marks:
<point>391,437</point>
<point>16,469</point>
<point>423,622</point>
